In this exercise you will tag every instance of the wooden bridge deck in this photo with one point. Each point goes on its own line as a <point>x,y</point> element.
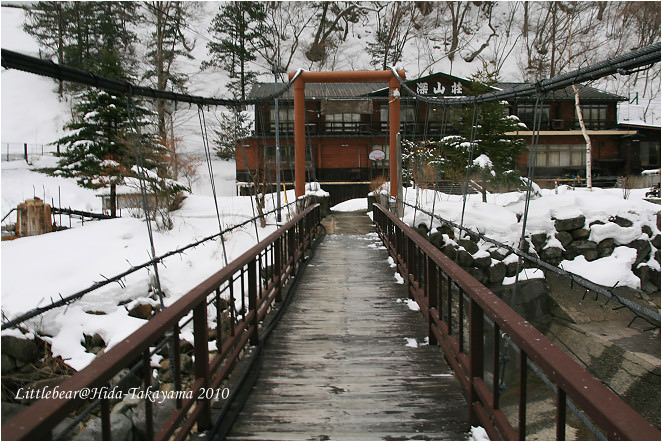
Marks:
<point>338,366</point>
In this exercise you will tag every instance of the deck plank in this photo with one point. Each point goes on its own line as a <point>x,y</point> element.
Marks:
<point>337,365</point>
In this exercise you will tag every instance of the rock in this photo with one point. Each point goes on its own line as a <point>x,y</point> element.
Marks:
<point>623,222</point>
<point>25,350</point>
<point>539,240</point>
<point>160,410</point>
<point>483,262</point>
<point>446,229</point>
<point>499,254</point>
<point>657,256</point>
<point>8,364</point>
<point>606,247</point>
<point>580,234</point>
<point>511,268</point>
<point>565,225</point>
<point>583,247</point>
<point>125,380</point>
<point>93,343</point>
<point>423,231</point>
<point>468,245</point>
<point>437,239</point>
<point>141,311</point>
<point>564,238</point>
<point>552,255</point>
<point>478,273</point>
<point>10,409</point>
<point>643,249</point>
<point>464,258</point>
<point>655,241</point>
<point>449,251</point>
<point>496,273</point>
<point>120,428</point>
<point>647,230</point>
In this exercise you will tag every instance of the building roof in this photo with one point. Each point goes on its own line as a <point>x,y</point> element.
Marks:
<point>349,90</point>
<point>317,90</point>
<point>586,93</point>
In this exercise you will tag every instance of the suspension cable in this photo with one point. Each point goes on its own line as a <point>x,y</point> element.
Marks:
<point>210,169</point>
<point>143,193</point>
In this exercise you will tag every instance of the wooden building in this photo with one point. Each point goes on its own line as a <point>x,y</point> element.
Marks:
<point>347,122</point>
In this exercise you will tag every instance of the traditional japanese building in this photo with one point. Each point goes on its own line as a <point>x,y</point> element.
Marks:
<point>347,133</point>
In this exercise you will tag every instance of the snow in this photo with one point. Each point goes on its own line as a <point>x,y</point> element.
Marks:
<point>483,161</point>
<point>612,271</point>
<point>353,205</point>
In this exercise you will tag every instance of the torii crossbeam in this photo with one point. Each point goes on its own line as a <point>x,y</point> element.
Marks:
<point>343,77</point>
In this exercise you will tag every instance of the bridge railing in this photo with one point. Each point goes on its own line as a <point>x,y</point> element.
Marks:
<point>255,280</point>
<point>475,328</point>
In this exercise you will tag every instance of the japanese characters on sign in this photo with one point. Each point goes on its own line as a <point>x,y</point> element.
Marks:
<point>436,88</point>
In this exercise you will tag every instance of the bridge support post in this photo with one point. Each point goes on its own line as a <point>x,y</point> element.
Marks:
<point>431,291</point>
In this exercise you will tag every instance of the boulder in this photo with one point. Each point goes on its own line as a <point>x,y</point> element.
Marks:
<point>606,247</point>
<point>647,230</point>
<point>564,238</point>
<point>8,364</point>
<point>580,234</point>
<point>496,273</point>
<point>141,311</point>
<point>565,225</point>
<point>552,255</point>
<point>24,350</point>
<point>160,409</point>
<point>478,273</point>
<point>446,229</point>
<point>464,258</point>
<point>643,248</point>
<point>468,245</point>
<point>437,239</point>
<point>656,241</point>
<point>121,428</point>
<point>449,251</point>
<point>539,240</point>
<point>623,222</point>
<point>483,262</point>
<point>582,247</point>
<point>499,254</point>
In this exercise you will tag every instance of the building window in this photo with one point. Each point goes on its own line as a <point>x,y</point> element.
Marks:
<point>343,123</point>
<point>525,112</point>
<point>649,153</point>
<point>285,119</point>
<point>561,155</point>
<point>286,157</point>
<point>595,116</point>
<point>407,117</point>
<point>442,119</point>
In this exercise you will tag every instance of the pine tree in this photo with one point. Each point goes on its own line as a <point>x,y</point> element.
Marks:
<point>238,34</point>
<point>492,122</point>
<point>233,127</point>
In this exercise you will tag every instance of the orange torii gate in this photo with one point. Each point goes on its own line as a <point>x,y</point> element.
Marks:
<point>343,77</point>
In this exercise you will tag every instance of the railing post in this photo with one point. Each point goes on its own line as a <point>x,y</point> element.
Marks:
<point>431,287</point>
<point>475,354</point>
<point>278,267</point>
<point>201,351</point>
<point>252,299</point>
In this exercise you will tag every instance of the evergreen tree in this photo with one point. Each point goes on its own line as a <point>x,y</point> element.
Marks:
<point>97,151</point>
<point>85,35</point>
<point>238,34</point>
<point>233,127</point>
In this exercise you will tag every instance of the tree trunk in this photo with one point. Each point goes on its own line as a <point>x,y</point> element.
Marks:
<point>580,117</point>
